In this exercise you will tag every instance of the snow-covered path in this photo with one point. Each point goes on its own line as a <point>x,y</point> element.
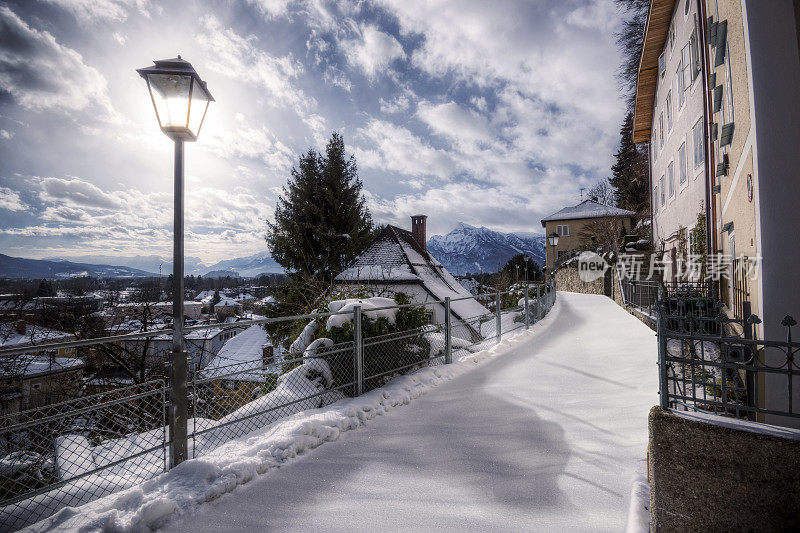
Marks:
<point>547,437</point>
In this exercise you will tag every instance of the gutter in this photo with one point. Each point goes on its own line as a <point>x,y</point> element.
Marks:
<point>711,205</point>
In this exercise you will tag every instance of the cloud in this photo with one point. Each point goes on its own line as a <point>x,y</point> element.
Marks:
<point>77,192</point>
<point>65,214</point>
<point>372,50</point>
<point>87,11</point>
<point>271,9</point>
<point>244,140</point>
<point>455,122</point>
<point>10,200</point>
<point>389,147</point>
<point>5,134</point>
<point>240,58</point>
<point>40,74</point>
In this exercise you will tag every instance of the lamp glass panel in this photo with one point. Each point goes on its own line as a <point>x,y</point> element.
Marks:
<point>197,111</point>
<point>171,97</point>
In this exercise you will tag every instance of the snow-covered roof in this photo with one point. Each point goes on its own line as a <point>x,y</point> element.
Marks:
<point>396,257</point>
<point>28,366</point>
<point>587,209</point>
<point>10,337</point>
<point>246,347</point>
<point>227,302</point>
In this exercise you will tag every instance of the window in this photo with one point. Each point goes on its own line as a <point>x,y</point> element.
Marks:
<point>661,130</point>
<point>669,111</point>
<point>561,254</point>
<point>661,187</point>
<point>686,7</point>
<point>662,65</point>
<point>671,178</point>
<point>697,141</point>
<point>655,198</point>
<point>686,66</point>
<point>671,37</point>
<point>694,51</point>
<point>681,87</point>
<point>563,231</point>
<point>682,164</point>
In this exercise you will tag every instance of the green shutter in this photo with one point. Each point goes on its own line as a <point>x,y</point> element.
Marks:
<point>722,37</point>
<point>712,32</point>
<point>726,135</point>
<point>717,98</point>
<point>714,131</point>
<point>717,189</point>
<point>728,227</point>
<point>713,79</point>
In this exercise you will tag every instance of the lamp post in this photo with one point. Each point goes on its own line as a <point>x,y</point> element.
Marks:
<point>180,99</point>
<point>552,239</point>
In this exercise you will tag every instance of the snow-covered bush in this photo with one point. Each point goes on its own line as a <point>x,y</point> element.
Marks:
<point>378,359</point>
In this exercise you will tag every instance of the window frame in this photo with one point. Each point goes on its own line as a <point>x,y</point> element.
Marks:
<point>663,192</point>
<point>562,230</point>
<point>698,141</point>
<point>668,105</point>
<point>671,179</point>
<point>683,177</point>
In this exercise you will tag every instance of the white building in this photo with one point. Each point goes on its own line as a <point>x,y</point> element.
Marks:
<point>670,115</point>
<point>398,261</point>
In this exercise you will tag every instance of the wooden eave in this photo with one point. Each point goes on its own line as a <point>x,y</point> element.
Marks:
<point>655,36</point>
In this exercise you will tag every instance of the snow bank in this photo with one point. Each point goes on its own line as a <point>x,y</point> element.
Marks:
<point>368,306</point>
<point>304,339</point>
<point>639,509</point>
<point>182,490</point>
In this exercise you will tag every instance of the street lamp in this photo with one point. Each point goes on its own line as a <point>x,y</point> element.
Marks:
<point>180,99</point>
<point>552,239</point>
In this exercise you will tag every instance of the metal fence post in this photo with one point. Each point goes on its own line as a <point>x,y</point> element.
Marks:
<point>750,375</point>
<point>358,352</point>
<point>527,315</point>
<point>663,384</point>
<point>498,325</point>
<point>448,333</point>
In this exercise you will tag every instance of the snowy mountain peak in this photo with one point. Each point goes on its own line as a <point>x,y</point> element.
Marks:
<point>470,249</point>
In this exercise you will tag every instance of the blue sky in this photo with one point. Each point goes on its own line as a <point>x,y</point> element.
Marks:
<point>489,113</point>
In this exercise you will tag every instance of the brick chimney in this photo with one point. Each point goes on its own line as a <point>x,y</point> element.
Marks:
<point>267,354</point>
<point>418,223</point>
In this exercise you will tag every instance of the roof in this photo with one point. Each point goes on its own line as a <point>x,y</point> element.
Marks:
<point>655,35</point>
<point>227,302</point>
<point>10,337</point>
<point>396,257</point>
<point>588,209</point>
<point>29,366</point>
<point>246,347</point>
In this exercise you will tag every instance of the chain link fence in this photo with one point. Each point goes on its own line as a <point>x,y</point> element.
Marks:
<point>69,453</point>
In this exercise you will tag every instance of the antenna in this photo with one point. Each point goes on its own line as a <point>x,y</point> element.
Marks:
<point>582,189</point>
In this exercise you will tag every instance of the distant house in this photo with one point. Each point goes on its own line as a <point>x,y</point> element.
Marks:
<point>29,381</point>
<point>227,307</point>
<point>574,224</point>
<point>20,333</point>
<point>398,261</point>
<point>236,372</point>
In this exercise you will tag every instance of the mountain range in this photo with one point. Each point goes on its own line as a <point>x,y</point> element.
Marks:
<point>466,249</point>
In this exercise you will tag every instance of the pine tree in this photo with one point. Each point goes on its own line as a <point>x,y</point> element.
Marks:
<point>321,220</point>
<point>629,173</point>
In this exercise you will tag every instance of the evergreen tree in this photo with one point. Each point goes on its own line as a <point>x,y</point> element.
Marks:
<point>630,38</point>
<point>629,173</point>
<point>321,220</point>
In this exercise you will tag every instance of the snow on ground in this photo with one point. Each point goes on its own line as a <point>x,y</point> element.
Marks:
<point>550,435</point>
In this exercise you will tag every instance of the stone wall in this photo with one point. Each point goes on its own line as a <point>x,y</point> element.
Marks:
<point>567,280</point>
<point>712,473</point>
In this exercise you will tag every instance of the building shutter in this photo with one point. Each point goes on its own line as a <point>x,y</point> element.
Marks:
<point>713,79</point>
<point>728,227</point>
<point>712,32</point>
<point>726,135</point>
<point>722,37</point>
<point>717,189</point>
<point>717,98</point>
<point>714,129</point>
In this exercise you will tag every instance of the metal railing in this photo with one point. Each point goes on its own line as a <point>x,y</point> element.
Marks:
<point>72,452</point>
<point>712,363</point>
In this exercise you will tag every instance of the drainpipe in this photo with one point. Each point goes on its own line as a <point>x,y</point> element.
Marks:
<point>711,204</point>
